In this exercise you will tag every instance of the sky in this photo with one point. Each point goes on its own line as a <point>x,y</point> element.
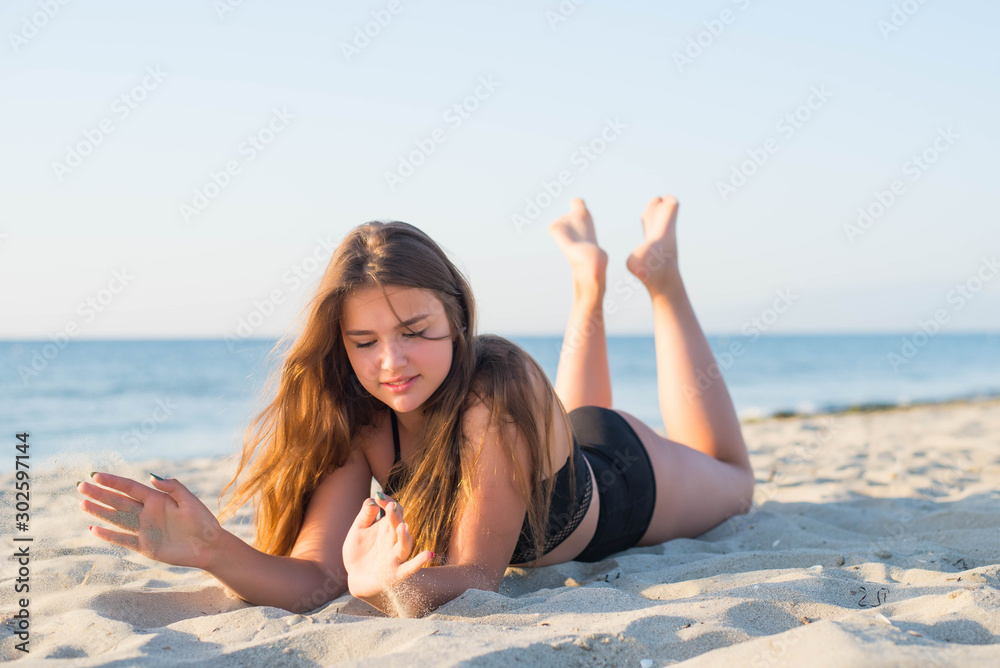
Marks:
<point>185,169</point>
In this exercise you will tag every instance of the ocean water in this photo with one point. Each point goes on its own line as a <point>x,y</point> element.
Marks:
<point>178,399</point>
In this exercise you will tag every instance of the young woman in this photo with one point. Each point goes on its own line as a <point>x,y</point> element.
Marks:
<point>479,463</point>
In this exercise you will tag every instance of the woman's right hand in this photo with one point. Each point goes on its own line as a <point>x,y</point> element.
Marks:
<point>168,524</point>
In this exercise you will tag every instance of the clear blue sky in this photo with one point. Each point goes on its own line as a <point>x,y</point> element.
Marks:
<point>682,127</point>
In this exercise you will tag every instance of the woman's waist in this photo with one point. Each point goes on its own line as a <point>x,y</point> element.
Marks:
<point>580,537</point>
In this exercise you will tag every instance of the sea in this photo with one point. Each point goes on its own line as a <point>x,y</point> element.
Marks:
<point>178,399</point>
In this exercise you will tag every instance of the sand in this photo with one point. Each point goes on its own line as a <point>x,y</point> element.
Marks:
<point>875,541</point>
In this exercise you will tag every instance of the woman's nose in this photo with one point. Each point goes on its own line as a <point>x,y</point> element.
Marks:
<point>392,356</point>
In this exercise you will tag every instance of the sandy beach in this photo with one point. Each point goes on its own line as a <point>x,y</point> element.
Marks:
<point>874,541</point>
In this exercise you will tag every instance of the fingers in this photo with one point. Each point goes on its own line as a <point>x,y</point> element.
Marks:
<point>131,541</point>
<point>109,498</point>
<point>390,505</point>
<point>404,542</point>
<point>366,518</point>
<point>120,518</point>
<point>394,514</point>
<point>174,489</point>
<point>382,500</point>
<point>415,564</point>
<point>130,487</point>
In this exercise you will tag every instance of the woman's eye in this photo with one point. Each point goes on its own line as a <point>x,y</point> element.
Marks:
<point>411,335</point>
<point>364,345</point>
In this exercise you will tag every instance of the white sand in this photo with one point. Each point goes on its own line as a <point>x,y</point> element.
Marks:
<point>904,504</point>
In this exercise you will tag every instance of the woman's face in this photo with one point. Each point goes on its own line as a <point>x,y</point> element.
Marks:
<point>397,367</point>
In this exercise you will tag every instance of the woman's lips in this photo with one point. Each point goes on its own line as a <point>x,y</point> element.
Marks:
<point>402,386</point>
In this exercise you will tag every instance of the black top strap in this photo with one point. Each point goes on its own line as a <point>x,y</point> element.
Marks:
<point>395,434</point>
<point>396,478</point>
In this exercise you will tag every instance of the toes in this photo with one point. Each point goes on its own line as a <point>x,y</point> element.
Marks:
<point>656,202</point>
<point>651,207</point>
<point>578,210</point>
<point>558,228</point>
<point>659,207</point>
<point>668,202</point>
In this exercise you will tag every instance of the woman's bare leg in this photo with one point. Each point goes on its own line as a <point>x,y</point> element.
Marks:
<point>702,471</point>
<point>702,419</point>
<point>583,377</point>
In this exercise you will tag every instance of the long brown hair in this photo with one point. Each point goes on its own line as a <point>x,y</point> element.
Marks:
<point>320,407</point>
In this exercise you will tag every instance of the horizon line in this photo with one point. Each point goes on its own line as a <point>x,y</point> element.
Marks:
<point>519,335</point>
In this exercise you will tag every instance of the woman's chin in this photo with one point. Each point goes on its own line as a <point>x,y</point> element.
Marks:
<point>403,404</point>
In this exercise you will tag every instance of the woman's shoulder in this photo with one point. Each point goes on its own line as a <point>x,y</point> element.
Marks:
<point>492,440</point>
<point>508,388</point>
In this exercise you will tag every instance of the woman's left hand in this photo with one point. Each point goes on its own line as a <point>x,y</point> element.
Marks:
<point>376,552</point>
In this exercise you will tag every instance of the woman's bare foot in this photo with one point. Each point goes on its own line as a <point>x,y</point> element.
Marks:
<point>654,261</point>
<point>575,235</point>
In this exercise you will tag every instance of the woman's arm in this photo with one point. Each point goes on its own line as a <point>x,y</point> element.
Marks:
<point>481,544</point>
<point>171,525</point>
<point>313,573</point>
<point>430,588</point>
<point>296,585</point>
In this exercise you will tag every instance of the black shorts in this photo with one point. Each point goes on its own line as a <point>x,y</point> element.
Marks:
<point>623,474</point>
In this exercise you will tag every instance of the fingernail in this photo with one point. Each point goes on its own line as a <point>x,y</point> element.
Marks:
<point>90,527</point>
<point>370,502</point>
<point>156,476</point>
<point>381,496</point>
<point>93,473</point>
<point>78,483</point>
